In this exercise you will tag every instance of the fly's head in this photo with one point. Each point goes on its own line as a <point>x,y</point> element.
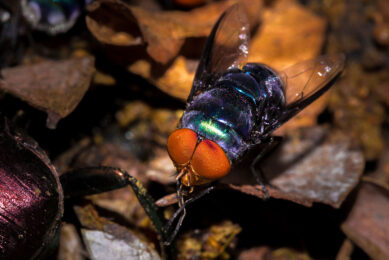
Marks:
<point>197,160</point>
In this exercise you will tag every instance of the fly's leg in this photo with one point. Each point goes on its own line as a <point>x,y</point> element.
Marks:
<point>182,210</point>
<point>181,204</point>
<point>93,180</point>
<point>258,175</point>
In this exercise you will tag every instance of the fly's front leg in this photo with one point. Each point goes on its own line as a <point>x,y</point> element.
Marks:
<point>259,176</point>
<point>182,211</point>
<point>93,180</point>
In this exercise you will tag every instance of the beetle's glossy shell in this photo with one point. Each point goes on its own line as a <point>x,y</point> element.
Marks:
<point>31,197</point>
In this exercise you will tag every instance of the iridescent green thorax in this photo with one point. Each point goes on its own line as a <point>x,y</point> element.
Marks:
<point>210,128</point>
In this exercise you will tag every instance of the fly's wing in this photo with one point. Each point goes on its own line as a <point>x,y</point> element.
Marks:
<point>226,47</point>
<point>307,81</point>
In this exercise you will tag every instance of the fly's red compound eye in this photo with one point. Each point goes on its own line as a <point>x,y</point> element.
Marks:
<point>181,145</point>
<point>209,160</point>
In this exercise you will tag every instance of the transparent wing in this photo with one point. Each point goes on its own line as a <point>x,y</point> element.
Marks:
<point>226,47</point>
<point>306,78</point>
<point>307,81</point>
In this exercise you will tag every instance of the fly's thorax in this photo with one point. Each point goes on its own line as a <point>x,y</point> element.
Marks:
<point>271,101</point>
<point>198,160</point>
<point>216,130</point>
<point>261,88</point>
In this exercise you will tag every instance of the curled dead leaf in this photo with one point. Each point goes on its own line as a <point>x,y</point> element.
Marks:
<point>105,239</point>
<point>125,203</point>
<point>163,33</point>
<point>55,87</point>
<point>289,33</point>
<point>368,222</point>
<point>311,167</point>
<point>70,246</point>
<point>104,154</point>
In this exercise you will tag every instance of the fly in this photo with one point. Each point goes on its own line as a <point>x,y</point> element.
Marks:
<point>234,106</point>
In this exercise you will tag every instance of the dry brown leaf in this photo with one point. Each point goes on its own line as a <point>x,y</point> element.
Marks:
<point>345,250</point>
<point>105,239</point>
<point>161,168</point>
<point>70,246</point>
<point>176,80</point>
<point>125,203</point>
<point>311,167</point>
<point>368,222</point>
<point>55,87</point>
<point>163,33</point>
<point>88,154</point>
<point>288,34</point>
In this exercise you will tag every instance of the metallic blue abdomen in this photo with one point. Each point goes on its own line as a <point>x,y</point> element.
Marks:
<point>236,108</point>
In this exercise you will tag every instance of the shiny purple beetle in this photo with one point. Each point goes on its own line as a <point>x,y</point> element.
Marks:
<point>32,194</point>
<point>31,197</point>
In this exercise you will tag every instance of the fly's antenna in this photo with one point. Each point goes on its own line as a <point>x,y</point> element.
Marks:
<point>182,210</point>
